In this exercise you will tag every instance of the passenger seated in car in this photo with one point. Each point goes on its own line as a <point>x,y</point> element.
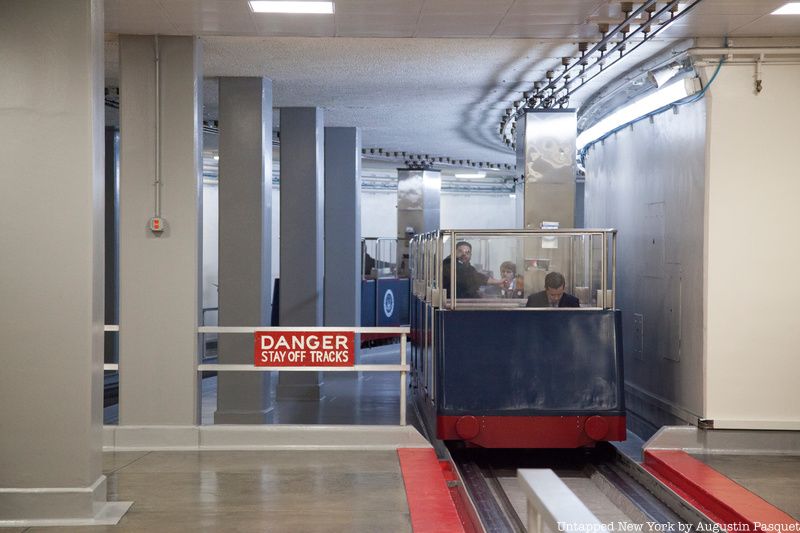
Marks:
<point>468,280</point>
<point>512,285</point>
<point>553,294</point>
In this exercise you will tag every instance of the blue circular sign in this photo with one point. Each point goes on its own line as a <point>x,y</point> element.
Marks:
<point>388,303</point>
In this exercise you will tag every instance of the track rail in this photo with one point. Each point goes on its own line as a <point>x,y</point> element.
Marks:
<point>491,502</point>
<point>630,490</point>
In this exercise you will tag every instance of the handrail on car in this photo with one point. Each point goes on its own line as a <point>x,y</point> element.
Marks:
<point>551,503</point>
<point>403,367</point>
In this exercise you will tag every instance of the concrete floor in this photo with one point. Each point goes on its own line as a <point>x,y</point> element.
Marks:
<point>280,491</point>
<point>775,478</point>
<point>291,491</point>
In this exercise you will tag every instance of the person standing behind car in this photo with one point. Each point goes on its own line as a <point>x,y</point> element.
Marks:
<point>468,280</point>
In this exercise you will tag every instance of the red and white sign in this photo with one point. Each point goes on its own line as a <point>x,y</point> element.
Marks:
<point>304,348</point>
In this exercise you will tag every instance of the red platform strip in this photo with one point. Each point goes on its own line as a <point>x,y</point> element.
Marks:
<point>432,509</point>
<point>723,500</point>
<point>467,513</point>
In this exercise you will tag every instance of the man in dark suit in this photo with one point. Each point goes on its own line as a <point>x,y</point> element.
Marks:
<point>468,279</point>
<point>553,294</point>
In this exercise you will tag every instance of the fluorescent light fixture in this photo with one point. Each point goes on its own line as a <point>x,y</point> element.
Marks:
<point>472,175</point>
<point>660,76</point>
<point>300,6</point>
<point>792,8</point>
<point>663,96</point>
<point>216,158</point>
<point>512,195</point>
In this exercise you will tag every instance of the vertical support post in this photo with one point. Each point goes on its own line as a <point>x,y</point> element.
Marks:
<point>245,242</point>
<point>160,282</point>
<point>418,208</point>
<point>546,155</point>
<point>342,302</point>
<point>302,255</point>
<point>51,272</point>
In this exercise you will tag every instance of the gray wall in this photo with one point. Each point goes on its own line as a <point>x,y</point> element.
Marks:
<point>648,181</point>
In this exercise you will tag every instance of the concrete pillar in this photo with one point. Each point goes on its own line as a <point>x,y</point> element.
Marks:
<point>159,272</point>
<point>342,226</point>
<point>51,273</point>
<point>546,156</point>
<point>245,237</point>
<point>418,208</point>
<point>301,211</point>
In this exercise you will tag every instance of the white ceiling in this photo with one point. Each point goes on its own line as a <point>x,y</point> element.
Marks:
<point>423,76</point>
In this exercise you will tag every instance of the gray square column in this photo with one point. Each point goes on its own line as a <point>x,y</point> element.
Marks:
<point>245,236</point>
<point>302,258</point>
<point>51,271</point>
<point>159,294</point>
<point>342,227</point>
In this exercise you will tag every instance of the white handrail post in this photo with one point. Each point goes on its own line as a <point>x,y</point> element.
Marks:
<point>403,379</point>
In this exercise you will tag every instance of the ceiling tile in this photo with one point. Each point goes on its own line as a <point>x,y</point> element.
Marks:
<point>546,31</point>
<point>210,23</point>
<point>399,7</point>
<point>376,25</point>
<point>457,25</point>
<point>773,25</point>
<point>136,16</point>
<point>299,25</point>
<point>696,25</point>
<point>579,10</point>
<point>398,32</point>
<point>738,7</point>
<point>478,8</point>
<point>182,7</point>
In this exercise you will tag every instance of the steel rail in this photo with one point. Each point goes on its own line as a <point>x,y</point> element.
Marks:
<point>601,61</point>
<point>492,515</point>
<point>607,39</point>
<point>647,38</point>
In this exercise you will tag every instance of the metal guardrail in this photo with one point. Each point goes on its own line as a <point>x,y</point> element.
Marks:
<point>403,367</point>
<point>551,503</point>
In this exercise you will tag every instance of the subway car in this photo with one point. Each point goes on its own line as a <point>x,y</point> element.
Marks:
<point>496,363</point>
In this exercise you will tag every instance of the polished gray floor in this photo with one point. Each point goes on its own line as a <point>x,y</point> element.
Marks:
<point>280,491</point>
<point>775,478</point>
<point>292,491</point>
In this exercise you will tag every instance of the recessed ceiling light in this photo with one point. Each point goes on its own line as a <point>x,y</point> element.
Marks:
<point>472,175</point>
<point>792,8</point>
<point>281,6</point>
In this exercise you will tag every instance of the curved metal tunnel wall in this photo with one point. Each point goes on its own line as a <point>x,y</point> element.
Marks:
<point>648,181</point>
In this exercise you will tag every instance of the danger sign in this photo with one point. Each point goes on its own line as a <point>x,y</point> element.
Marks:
<point>297,348</point>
